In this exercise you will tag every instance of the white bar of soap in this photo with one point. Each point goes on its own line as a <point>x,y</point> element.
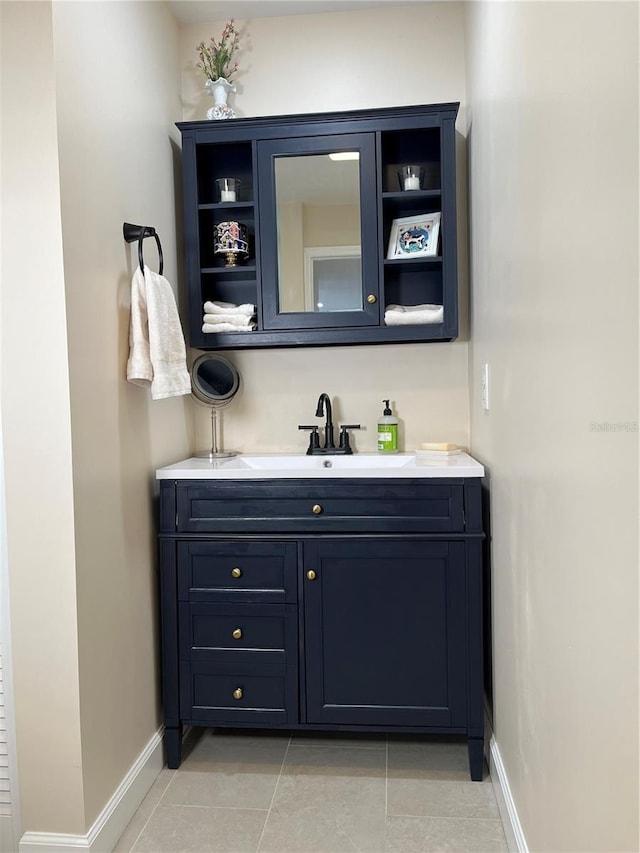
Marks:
<point>438,445</point>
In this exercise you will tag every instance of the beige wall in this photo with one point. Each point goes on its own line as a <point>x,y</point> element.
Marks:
<point>89,98</point>
<point>291,260</point>
<point>331,62</point>
<point>115,132</point>
<point>331,225</point>
<point>553,93</point>
<point>37,432</point>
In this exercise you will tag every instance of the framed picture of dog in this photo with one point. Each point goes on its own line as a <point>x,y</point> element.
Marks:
<point>414,237</point>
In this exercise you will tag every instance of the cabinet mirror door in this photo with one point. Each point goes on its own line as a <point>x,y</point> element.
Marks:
<point>319,235</point>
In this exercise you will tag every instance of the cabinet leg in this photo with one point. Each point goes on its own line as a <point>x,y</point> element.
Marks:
<point>173,746</point>
<point>476,758</point>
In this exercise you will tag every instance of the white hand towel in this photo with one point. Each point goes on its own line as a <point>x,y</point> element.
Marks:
<point>157,355</point>
<point>228,308</point>
<point>409,315</point>
<point>139,367</point>
<point>209,328</point>
<point>234,319</point>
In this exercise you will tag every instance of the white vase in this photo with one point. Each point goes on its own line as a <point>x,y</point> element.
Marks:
<point>219,90</point>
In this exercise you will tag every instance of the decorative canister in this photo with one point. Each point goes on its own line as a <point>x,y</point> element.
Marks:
<point>232,241</point>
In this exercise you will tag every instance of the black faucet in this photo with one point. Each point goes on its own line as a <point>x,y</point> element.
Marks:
<point>314,449</point>
<point>323,400</point>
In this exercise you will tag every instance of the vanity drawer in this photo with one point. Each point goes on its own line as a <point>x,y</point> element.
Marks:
<point>225,632</point>
<point>219,693</point>
<point>358,506</point>
<point>237,571</point>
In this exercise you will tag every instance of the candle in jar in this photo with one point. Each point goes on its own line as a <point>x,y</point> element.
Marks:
<point>412,183</point>
<point>230,195</point>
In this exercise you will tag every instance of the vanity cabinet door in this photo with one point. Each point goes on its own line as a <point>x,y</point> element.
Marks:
<point>385,632</point>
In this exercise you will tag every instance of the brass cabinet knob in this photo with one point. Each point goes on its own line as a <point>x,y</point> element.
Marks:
<point>371,299</point>
<point>237,634</point>
<point>236,573</point>
<point>237,693</point>
<point>317,509</point>
<point>311,575</point>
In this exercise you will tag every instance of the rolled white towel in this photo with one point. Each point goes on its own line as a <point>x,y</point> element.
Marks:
<point>409,315</point>
<point>229,308</point>
<point>234,319</point>
<point>209,328</point>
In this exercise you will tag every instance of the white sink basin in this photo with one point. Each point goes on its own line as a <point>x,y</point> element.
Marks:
<point>265,466</point>
<point>310,463</point>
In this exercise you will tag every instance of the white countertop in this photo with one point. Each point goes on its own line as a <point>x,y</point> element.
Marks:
<point>267,466</point>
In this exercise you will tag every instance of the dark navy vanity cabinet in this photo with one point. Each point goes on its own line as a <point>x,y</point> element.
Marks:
<point>324,203</point>
<point>345,604</point>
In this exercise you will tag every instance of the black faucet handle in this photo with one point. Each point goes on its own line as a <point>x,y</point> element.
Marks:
<point>314,438</point>
<point>345,446</point>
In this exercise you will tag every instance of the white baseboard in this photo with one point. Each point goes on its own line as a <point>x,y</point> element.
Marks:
<point>7,843</point>
<point>506,806</point>
<point>115,816</point>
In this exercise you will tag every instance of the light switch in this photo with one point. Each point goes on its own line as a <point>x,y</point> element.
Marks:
<point>485,387</point>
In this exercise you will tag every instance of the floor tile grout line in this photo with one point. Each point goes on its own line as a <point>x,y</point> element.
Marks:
<point>273,796</point>
<point>339,745</point>
<point>446,817</point>
<point>153,810</point>
<point>213,808</point>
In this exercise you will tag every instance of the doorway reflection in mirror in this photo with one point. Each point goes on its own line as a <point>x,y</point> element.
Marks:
<point>332,278</point>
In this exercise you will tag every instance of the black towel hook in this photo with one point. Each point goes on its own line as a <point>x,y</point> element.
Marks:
<point>139,232</point>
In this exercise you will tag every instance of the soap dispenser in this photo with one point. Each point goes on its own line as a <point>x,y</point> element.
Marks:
<point>387,431</point>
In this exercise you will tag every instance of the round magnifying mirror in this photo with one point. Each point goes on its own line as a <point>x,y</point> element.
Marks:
<point>214,383</point>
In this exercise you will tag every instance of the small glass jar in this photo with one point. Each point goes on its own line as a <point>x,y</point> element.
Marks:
<point>228,189</point>
<point>411,177</point>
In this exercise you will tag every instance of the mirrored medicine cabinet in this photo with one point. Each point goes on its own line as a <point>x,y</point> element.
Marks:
<point>338,227</point>
<point>317,215</point>
<point>319,260</point>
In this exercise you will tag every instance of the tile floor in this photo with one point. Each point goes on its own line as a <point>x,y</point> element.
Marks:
<point>276,792</point>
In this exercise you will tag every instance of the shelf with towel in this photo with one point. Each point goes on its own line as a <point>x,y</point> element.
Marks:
<point>224,317</point>
<point>413,282</point>
<point>413,315</point>
<point>236,285</point>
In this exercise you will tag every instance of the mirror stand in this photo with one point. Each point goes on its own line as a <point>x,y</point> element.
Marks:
<point>215,452</point>
<point>214,383</point>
